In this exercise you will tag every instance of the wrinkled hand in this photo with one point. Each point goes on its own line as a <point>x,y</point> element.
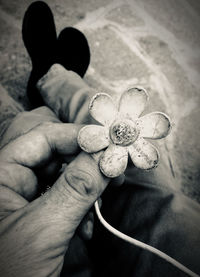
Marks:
<point>23,123</point>
<point>35,236</point>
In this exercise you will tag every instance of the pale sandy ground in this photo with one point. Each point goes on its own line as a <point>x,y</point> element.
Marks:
<point>152,43</point>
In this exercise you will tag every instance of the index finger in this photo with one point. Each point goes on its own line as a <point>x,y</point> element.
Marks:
<point>37,147</point>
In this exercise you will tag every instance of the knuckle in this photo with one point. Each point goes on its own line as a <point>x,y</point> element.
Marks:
<point>81,182</point>
<point>43,109</point>
<point>17,127</point>
<point>45,126</point>
<point>46,114</point>
<point>21,116</point>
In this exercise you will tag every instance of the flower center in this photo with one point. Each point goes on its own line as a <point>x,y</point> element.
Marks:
<point>123,132</point>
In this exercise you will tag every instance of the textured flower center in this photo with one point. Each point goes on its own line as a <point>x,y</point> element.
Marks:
<point>123,132</point>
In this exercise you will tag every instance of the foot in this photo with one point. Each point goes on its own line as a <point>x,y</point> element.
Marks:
<point>73,51</point>
<point>39,36</point>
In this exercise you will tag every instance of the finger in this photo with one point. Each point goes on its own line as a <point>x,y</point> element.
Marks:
<point>33,150</point>
<point>118,181</point>
<point>69,158</point>
<point>18,178</point>
<point>37,146</point>
<point>10,201</point>
<point>50,171</point>
<point>45,112</point>
<point>99,202</point>
<point>62,208</point>
<point>25,121</point>
<point>85,229</point>
<point>23,181</point>
<point>48,174</point>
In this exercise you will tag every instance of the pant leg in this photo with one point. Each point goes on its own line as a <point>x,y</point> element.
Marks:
<point>156,215</point>
<point>9,108</point>
<point>63,91</point>
<point>66,94</point>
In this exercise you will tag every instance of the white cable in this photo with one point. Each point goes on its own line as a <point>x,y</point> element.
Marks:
<point>142,244</point>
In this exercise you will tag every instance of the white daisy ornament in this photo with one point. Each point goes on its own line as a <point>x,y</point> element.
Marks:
<point>123,132</point>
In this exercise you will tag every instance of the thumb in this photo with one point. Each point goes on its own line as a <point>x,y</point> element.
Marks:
<point>60,210</point>
<point>75,191</point>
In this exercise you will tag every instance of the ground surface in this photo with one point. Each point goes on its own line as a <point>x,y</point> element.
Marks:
<point>152,43</point>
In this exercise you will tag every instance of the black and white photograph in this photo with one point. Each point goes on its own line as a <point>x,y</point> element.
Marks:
<point>99,138</point>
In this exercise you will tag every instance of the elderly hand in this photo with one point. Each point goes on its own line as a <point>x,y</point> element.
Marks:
<point>35,236</point>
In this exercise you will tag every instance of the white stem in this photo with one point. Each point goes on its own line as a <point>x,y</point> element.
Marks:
<point>142,244</point>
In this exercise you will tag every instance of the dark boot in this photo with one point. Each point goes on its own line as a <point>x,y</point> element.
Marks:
<point>73,51</point>
<point>39,36</point>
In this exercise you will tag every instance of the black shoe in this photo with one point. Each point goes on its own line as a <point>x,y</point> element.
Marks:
<point>39,36</point>
<point>73,51</point>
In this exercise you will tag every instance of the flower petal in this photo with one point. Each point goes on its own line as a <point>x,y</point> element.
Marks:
<point>155,125</point>
<point>133,102</point>
<point>102,108</point>
<point>143,154</point>
<point>114,160</point>
<point>93,138</point>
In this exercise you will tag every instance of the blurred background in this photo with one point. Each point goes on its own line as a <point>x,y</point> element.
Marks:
<point>151,43</point>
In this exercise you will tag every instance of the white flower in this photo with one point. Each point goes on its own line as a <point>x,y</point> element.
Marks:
<point>123,132</point>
